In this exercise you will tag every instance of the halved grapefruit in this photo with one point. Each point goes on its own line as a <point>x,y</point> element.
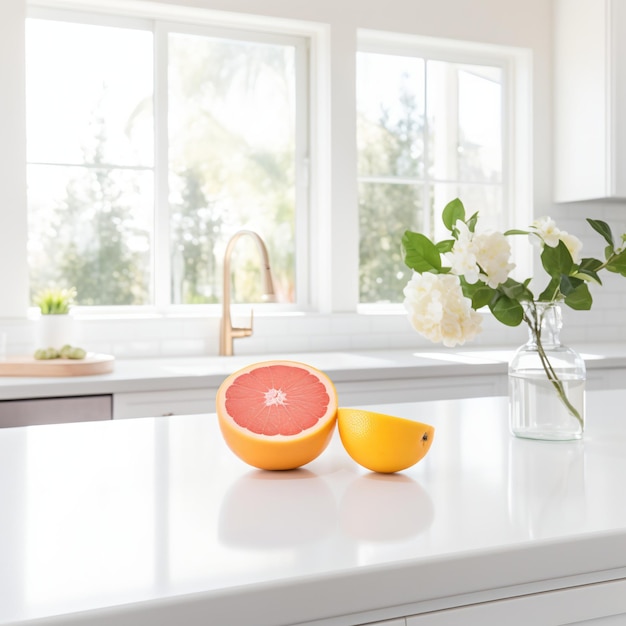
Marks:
<point>277,415</point>
<point>383,443</point>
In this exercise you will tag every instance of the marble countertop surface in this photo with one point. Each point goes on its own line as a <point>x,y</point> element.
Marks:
<point>154,521</point>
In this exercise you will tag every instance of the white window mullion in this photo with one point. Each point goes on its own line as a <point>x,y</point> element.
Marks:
<point>303,175</point>
<point>217,179</point>
<point>426,183</point>
<point>472,156</point>
<point>162,265</point>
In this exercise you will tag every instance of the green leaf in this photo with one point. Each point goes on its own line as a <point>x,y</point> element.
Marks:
<point>445,246</point>
<point>516,290</point>
<point>580,298</point>
<point>479,293</point>
<point>557,260</point>
<point>452,212</point>
<point>516,231</point>
<point>569,284</point>
<point>53,301</point>
<point>551,291</point>
<point>507,311</point>
<point>482,297</point>
<point>587,270</point>
<point>604,229</point>
<point>618,263</point>
<point>420,253</point>
<point>472,221</point>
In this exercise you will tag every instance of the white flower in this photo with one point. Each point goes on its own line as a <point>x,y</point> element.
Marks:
<point>439,311</point>
<point>546,229</point>
<point>573,244</point>
<point>462,257</point>
<point>473,252</point>
<point>493,253</point>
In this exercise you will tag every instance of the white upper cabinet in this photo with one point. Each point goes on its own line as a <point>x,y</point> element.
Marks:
<point>589,99</point>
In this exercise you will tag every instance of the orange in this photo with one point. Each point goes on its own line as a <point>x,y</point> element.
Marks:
<point>277,415</point>
<point>383,443</point>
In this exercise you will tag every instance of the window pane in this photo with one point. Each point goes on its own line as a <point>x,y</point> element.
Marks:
<point>232,163</point>
<point>480,124</point>
<point>427,125</point>
<point>484,198</point>
<point>385,212</point>
<point>89,89</point>
<point>91,228</point>
<point>90,149</point>
<point>390,115</point>
<point>465,121</point>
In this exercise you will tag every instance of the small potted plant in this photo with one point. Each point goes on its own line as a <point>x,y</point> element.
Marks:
<point>55,327</point>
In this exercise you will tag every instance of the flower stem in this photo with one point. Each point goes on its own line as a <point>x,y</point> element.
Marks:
<point>535,327</point>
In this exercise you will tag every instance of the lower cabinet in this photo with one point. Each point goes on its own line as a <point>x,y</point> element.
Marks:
<point>188,401</point>
<point>38,411</point>
<point>599,604</point>
<point>419,389</point>
<point>161,403</point>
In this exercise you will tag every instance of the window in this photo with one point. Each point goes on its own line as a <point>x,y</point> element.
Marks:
<point>149,145</point>
<point>428,130</point>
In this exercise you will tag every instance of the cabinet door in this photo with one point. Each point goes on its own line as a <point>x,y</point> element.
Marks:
<point>160,403</point>
<point>600,604</point>
<point>589,99</point>
<point>39,411</point>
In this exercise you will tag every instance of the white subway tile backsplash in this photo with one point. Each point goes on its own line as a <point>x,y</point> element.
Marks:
<point>371,341</point>
<point>349,324</point>
<point>286,333</point>
<point>136,349</point>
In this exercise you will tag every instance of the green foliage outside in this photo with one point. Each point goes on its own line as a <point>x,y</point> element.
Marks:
<point>90,230</point>
<point>95,238</point>
<point>385,209</point>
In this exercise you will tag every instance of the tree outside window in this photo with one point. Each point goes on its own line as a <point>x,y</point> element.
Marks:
<point>428,131</point>
<point>97,145</point>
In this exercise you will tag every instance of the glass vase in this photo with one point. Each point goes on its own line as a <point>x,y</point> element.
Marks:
<point>546,380</point>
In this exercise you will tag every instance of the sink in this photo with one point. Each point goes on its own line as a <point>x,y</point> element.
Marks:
<point>471,358</point>
<point>202,366</point>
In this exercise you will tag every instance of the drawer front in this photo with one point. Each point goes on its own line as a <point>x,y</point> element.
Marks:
<point>161,403</point>
<point>598,604</point>
<point>39,411</point>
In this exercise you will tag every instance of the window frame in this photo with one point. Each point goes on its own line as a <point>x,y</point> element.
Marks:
<point>516,67</point>
<point>179,21</point>
<point>331,229</point>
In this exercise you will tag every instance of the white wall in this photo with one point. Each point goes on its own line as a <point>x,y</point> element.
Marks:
<point>525,24</point>
<point>13,292</point>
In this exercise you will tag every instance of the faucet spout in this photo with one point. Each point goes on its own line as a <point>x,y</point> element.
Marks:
<point>227,331</point>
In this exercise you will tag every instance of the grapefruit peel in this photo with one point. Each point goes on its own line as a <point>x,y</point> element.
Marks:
<point>277,415</point>
<point>383,443</point>
<point>280,415</point>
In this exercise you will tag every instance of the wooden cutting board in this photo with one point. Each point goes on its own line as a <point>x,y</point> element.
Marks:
<point>29,366</point>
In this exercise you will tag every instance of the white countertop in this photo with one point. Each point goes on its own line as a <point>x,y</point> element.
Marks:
<point>157,374</point>
<point>155,521</point>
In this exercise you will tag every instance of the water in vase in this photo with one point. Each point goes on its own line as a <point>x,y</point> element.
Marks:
<point>537,411</point>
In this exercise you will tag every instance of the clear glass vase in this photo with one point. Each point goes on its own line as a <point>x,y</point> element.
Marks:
<point>546,380</point>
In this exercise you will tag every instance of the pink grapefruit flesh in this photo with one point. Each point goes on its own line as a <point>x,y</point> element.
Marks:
<point>277,415</point>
